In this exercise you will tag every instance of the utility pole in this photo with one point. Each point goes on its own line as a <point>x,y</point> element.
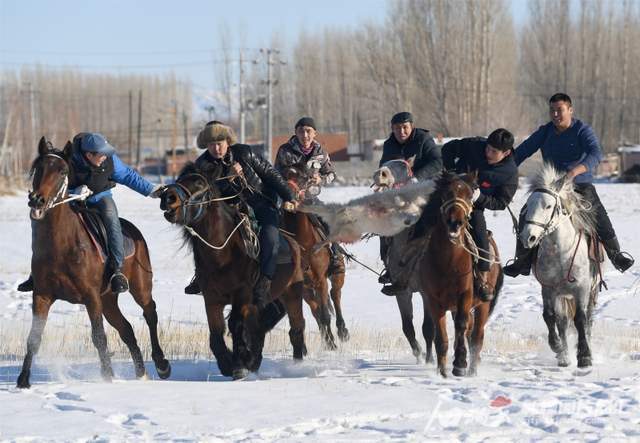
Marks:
<point>185,122</point>
<point>174,139</point>
<point>130,125</point>
<point>139,129</point>
<point>32,112</point>
<point>241,89</point>
<point>270,82</point>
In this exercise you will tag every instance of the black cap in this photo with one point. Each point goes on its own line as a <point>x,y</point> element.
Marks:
<point>402,117</point>
<point>306,121</point>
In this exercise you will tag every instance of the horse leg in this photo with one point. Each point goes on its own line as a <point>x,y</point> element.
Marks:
<point>428,330</point>
<point>140,285</point>
<point>562,323</point>
<point>163,367</point>
<point>223,356</point>
<point>549,316</point>
<point>293,302</point>
<point>582,326</point>
<point>460,344</point>
<point>40,312</point>
<point>442,340</point>
<point>337,282</point>
<point>476,341</point>
<point>115,318</point>
<point>406,314</point>
<point>241,356</point>
<point>324,322</point>
<point>98,336</point>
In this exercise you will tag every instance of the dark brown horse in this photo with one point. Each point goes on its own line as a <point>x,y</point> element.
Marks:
<point>446,276</point>
<point>227,273</point>
<point>66,266</point>
<point>318,259</point>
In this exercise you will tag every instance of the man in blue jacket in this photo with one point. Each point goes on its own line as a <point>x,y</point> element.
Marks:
<point>95,170</point>
<point>571,146</point>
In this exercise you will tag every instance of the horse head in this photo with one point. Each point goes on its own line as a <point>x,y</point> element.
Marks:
<point>393,174</point>
<point>184,201</point>
<point>50,171</point>
<point>547,203</point>
<point>455,193</point>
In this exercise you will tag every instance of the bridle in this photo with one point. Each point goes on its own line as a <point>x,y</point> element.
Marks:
<point>461,203</point>
<point>62,186</point>
<point>557,214</point>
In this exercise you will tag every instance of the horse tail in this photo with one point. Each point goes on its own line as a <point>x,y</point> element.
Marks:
<point>498,287</point>
<point>565,306</point>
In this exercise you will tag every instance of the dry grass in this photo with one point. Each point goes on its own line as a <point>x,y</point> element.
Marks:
<point>12,185</point>
<point>71,340</point>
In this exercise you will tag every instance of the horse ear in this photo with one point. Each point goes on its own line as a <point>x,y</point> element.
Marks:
<point>43,146</point>
<point>472,176</point>
<point>68,148</point>
<point>411,160</point>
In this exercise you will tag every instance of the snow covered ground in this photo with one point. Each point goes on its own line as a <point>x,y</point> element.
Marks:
<point>370,389</point>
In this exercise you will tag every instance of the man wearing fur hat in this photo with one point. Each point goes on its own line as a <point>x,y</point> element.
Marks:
<point>407,142</point>
<point>304,152</point>
<point>260,187</point>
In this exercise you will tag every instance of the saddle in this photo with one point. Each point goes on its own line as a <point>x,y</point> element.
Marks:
<point>249,233</point>
<point>92,222</point>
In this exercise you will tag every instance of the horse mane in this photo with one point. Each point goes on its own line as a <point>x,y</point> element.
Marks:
<point>547,177</point>
<point>442,184</point>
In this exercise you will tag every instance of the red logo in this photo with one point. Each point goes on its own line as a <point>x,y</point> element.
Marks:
<point>485,184</point>
<point>500,401</point>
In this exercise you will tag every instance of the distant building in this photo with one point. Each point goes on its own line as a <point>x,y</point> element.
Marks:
<point>629,156</point>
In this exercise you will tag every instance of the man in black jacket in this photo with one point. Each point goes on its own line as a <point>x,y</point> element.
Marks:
<point>497,181</point>
<point>263,185</point>
<point>416,145</point>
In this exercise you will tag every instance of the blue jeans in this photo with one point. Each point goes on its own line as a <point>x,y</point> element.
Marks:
<point>109,213</point>
<point>269,219</point>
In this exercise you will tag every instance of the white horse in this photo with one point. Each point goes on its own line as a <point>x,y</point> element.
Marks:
<point>557,221</point>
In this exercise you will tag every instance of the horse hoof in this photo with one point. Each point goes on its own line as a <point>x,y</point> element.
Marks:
<point>563,362</point>
<point>143,377</point>
<point>459,372</point>
<point>472,372</point>
<point>164,370</point>
<point>443,372</point>
<point>584,362</point>
<point>239,373</point>
<point>23,381</point>
<point>343,334</point>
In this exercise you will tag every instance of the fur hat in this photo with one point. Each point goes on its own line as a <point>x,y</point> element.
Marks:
<point>214,133</point>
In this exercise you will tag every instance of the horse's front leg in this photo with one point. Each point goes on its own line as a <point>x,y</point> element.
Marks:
<point>549,316</point>
<point>292,298</point>
<point>98,336</point>
<point>40,312</point>
<point>324,315</point>
<point>215,318</point>
<point>428,330</point>
<point>460,344</point>
<point>406,315</point>
<point>476,339</point>
<point>582,326</point>
<point>442,340</point>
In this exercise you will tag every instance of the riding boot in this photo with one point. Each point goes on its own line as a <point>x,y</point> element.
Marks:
<point>193,287</point>
<point>118,282</point>
<point>620,259</point>
<point>27,285</point>
<point>272,314</point>
<point>385,277</point>
<point>336,265</point>
<point>393,289</point>
<point>521,265</point>
<point>262,292</point>
<point>485,288</point>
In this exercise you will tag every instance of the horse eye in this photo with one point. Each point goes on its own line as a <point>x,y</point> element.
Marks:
<point>548,207</point>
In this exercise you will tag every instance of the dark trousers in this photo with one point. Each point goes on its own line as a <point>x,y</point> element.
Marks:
<point>109,213</point>
<point>269,220</point>
<point>604,228</point>
<point>480,236</point>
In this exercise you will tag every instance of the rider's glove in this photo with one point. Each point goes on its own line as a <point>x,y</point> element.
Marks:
<point>83,191</point>
<point>476,195</point>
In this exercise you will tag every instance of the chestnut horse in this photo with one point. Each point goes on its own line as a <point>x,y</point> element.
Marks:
<point>227,273</point>
<point>318,259</point>
<point>66,266</point>
<point>446,276</point>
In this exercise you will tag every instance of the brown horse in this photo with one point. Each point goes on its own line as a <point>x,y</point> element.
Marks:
<point>227,273</point>
<point>446,276</point>
<point>318,259</point>
<point>66,266</point>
